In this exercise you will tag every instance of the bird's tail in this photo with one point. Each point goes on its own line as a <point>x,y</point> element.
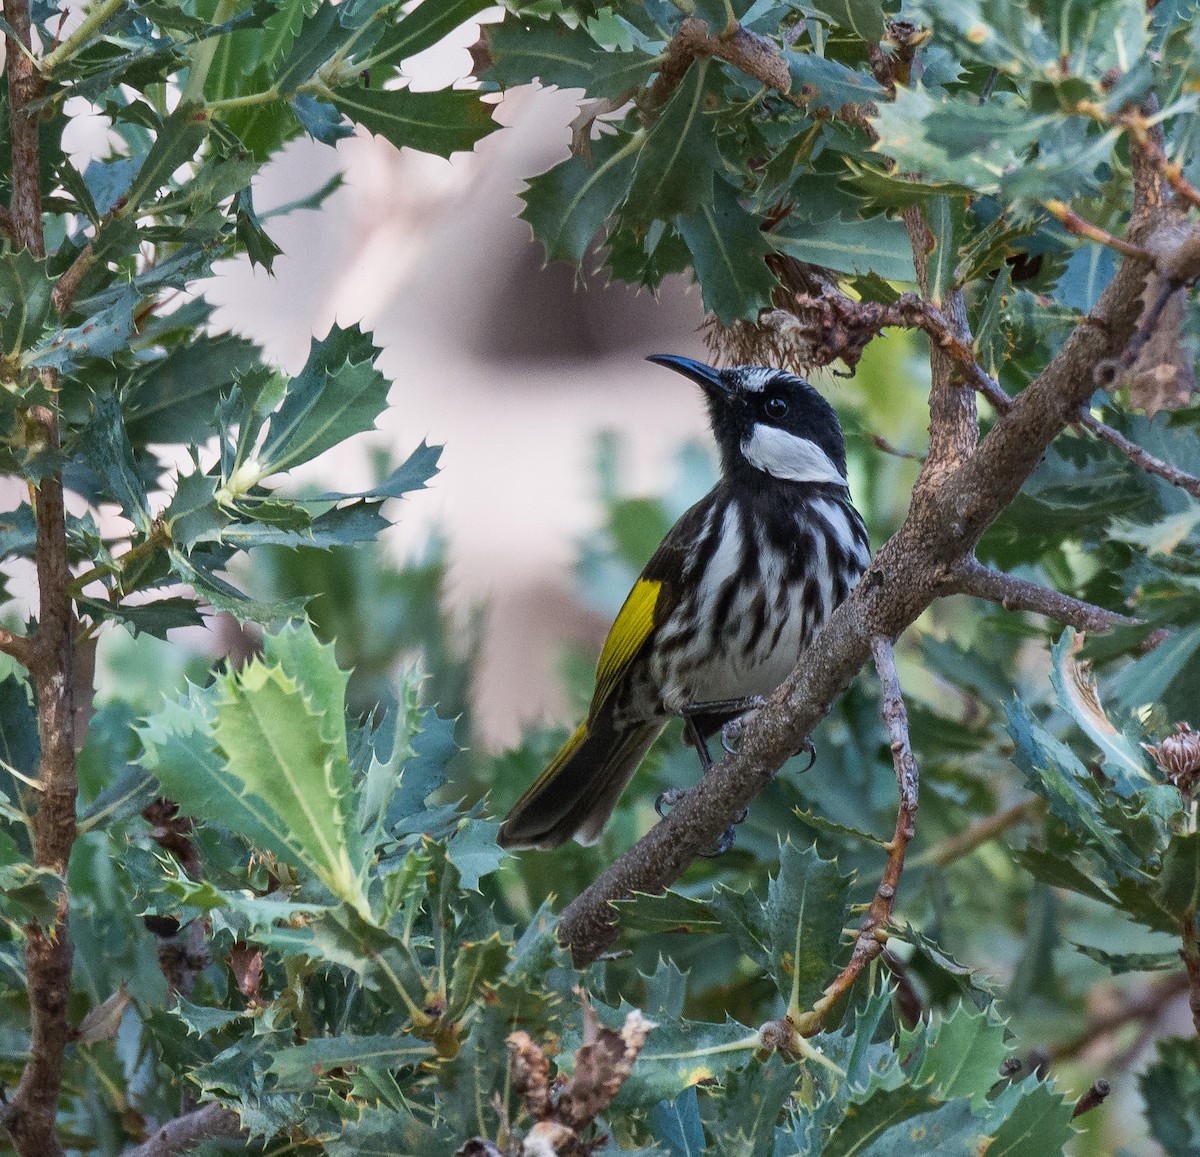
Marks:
<point>577,792</point>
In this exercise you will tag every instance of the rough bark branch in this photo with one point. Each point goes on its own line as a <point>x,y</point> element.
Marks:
<point>186,1132</point>
<point>31,1113</point>
<point>872,935</point>
<point>953,417</point>
<point>1140,457</point>
<point>19,647</point>
<point>1016,594</point>
<point>748,52</point>
<point>917,565</point>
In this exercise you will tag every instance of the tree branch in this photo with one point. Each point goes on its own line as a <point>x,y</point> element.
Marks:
<point>748,52</point>
<point>31,1115</point>
<point>1016,594</point>
<point>872,935</point>
<point>953,417</point>
<point>1140,457</point>
<point>19,647</point>
<point>186,1132</point>
<point>1146,1006</point>
<point>944,523</point>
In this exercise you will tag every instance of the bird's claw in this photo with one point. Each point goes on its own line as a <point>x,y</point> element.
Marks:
<point>809,749</point>
<point>667,800</point>
<point>731,733</point>
<point>725,841</point>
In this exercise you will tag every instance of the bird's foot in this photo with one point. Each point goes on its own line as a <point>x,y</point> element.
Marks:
<point>731,733</point>
<point>725,840</point>
<point>668,799</point>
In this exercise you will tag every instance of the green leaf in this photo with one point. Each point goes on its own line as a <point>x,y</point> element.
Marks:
<point>1037,1125</point>
<point>807,908</point>
<point>294,1068</point>
<point>412,474</point>
<point>474,852</point>
<point>177,142</point>
<point>391,1133</point>
<point>877,1125</point>
<point>1143,682</point>
<point>956,140</point>
<point>568,205</point>
<point>876,245</point>
<point>421,28</point>
<point>555,54</point>
<point>174,398</point>
<point>728,253</point>
<point>669,912</point>
<point>961,1055</point>
<point>1078,695</point>
<point>476,963</point>
<point>20,747</point>
<point>1171,1090</point>
<point>1118,962</point>
<point>1179,883</point>
<point>742,1122</point>
<point>676,1126</point>
<point>444,122</point>
<point>1055,773</point>
<point>821,83</point>
<point>106,449</point>
<point>104,334</point>
<point>864,17</point>
<point>264,752</point>
<point>324,123</point>
<point>319,38</point>
<point>679,1054</point>
<point>25,300</point>
<point>675,166</point>
<point>338,393</point>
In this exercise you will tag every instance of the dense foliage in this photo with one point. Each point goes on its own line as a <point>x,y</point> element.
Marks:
<point>277,901</point>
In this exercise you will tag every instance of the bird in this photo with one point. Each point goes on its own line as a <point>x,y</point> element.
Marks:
<point>723,610</point>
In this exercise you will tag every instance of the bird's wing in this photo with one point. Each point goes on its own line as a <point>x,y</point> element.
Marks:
<point>652,599</point>
<point>634,624</point>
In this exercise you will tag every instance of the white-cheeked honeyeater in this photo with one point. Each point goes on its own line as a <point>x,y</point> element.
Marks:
<point>724,608</point>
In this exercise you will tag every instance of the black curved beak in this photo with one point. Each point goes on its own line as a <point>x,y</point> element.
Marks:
<point>705,377</point>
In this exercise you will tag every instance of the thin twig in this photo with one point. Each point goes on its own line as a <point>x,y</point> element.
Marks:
<point>68,284</point>
<point>1146,1006</point>
<point>873,935</point>
<point>1074,223</point>
<point>980,833</point>
<point>186,1132</point>
<point>1140,457</point>
<point>1015,594</point>
<point>1092,1099</point>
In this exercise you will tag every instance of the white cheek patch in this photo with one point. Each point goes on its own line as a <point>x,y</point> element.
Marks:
<point>784,455</point>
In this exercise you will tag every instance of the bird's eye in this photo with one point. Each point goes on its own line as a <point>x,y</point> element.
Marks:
<point>775,407</point>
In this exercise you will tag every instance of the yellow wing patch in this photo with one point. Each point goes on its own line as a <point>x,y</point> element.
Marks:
<point>632,628</point>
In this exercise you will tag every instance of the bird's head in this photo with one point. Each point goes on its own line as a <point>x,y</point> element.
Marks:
<point>768,421</point>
